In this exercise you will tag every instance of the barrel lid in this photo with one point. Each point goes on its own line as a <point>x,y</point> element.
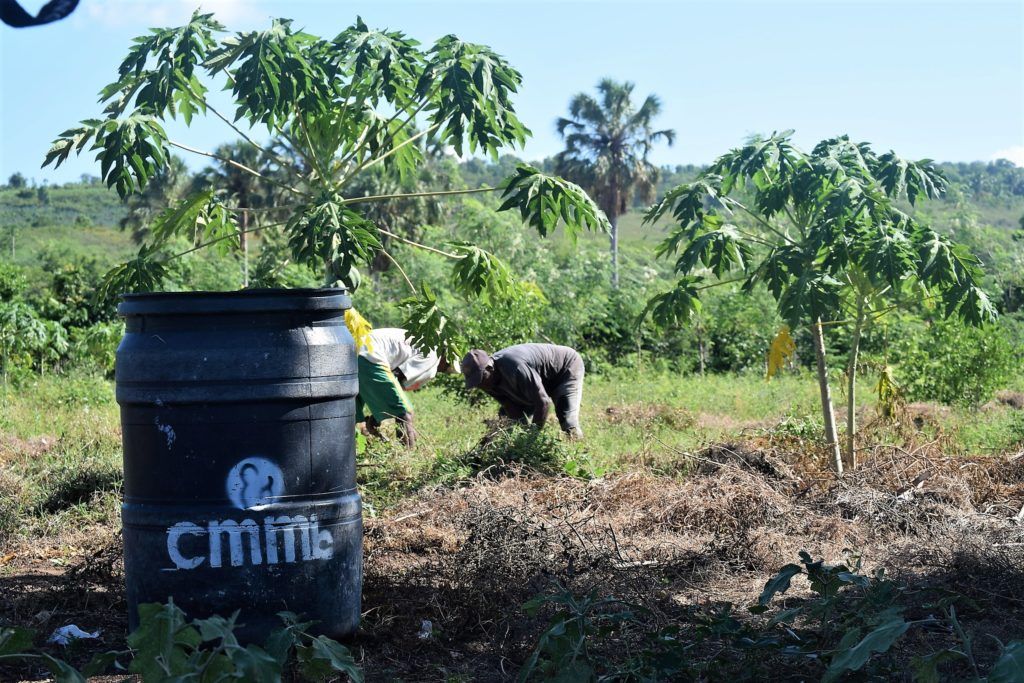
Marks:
<point>243,301</point>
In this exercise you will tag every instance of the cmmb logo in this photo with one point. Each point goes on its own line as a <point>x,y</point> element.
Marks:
<point>252,484</point>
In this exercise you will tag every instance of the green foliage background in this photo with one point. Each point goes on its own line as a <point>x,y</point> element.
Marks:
<point>61,249</point>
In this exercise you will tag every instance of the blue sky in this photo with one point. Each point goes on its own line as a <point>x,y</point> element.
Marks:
<point>928,79</point>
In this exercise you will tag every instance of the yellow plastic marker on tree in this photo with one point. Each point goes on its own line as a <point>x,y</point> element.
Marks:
<point>359,329</point>
<point>781,349</point>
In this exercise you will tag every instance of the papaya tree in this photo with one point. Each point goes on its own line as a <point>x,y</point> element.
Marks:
<point>823,232</point>
<point>323,113</point>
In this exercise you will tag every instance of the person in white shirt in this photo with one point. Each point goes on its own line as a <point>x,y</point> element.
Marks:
<point>388,366</point>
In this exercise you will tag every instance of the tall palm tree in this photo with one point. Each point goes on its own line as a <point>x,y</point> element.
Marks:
<point>167,186</point>
<point>607,140</point>
<point>243,190</point>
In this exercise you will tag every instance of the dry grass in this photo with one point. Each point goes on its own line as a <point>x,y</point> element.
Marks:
<point>466,557</point>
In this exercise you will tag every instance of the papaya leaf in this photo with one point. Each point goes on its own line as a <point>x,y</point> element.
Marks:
<point>73,139</point>
<point>878,640</point>
<point>675,307</point>
<point>180,219</point>
<point>1009,668</point>
<point>428,326</point>
<point>544,200</point>
<point>480,273</point>
<point>145,273</point>
<point>778,583</point>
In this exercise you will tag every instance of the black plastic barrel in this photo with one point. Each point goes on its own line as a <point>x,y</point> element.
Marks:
<point>237,415</point>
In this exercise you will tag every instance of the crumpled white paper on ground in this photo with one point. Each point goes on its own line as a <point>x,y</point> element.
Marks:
<point>65,634</point>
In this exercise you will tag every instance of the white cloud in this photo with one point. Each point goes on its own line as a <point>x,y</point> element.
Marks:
<point>234,14</point>
<point>1014,154</point>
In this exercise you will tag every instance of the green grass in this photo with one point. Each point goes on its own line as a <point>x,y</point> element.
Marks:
<point>60,437</point>
<point>60,456</point>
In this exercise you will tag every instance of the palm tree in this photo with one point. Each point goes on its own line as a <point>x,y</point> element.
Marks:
<point>167,186</point>
<point>607,140</point>
<point>243,190</point>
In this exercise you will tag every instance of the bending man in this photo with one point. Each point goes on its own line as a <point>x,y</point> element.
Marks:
<point>388,367</point>
<point>527,379</point>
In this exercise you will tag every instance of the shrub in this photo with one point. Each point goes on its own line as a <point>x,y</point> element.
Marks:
<point>12,281</point>
<point>504,450</point>
<point>94,347</point>
<point>77,484</point>
<point>951,363</point>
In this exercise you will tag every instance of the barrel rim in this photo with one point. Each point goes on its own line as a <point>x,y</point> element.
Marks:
<point>239,301</point>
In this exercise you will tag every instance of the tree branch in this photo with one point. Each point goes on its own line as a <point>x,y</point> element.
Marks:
<point>243,167</point>
<point>400,270</point>
<point>766,224</point>
<point>719,283</point>
<point>418,245</point>
<point>387,127</point>
<point>233,235</point>
<point>411,195</point>
<point>377,160</point>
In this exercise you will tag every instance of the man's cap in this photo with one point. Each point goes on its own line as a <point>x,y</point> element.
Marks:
<point>473,365</point>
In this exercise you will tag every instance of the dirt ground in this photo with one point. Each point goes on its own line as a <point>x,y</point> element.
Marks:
<point>467,558</point>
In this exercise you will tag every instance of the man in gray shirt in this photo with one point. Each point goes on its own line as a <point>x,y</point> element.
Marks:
<point>527,379</point>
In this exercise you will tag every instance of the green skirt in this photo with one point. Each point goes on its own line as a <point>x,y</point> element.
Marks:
<point>379,391</point>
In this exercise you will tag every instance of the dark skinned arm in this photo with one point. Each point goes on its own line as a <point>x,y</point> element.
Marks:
<point>538,398</point>
<point>406,430</point>
<point>511,411</point>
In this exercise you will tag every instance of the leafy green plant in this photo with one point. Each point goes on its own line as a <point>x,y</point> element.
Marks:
<point>571,646</point>
<point>948,363</point>
<point>22,334</point>
<point>848,627</point>
<point>336,110</point>
<point>824,235</point>
<point>509,446</point>
<point>167,646</point>
<point>857,616</point>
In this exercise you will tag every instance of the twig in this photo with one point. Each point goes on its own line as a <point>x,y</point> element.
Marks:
<point>411,195</point>
<point>221,239</point>
<point>400,270</point>
<point>410,516</point>
<point>417,244</point>
<point>243,167</point>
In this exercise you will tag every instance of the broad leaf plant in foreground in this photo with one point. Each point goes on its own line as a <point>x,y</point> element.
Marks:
<point>823,232</point>
<point>334,109</point>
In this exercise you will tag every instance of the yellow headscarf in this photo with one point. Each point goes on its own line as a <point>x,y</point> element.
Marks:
<point>359,329</point>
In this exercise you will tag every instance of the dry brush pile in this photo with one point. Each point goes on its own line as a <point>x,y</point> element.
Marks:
<point>467,558</point>
<point>679,546</point>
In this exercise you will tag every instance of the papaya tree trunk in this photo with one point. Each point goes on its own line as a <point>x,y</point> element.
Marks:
<point>850,459</point>
<point>243,242</point>
<point>613,218</point>
<point>827,413</point>
<point>701,350</point>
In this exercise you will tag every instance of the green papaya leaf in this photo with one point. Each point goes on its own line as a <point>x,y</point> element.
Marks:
<point>15,640</point>
<point>1009,668</point>
<point>880,639</point>
<point>778,583</point>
